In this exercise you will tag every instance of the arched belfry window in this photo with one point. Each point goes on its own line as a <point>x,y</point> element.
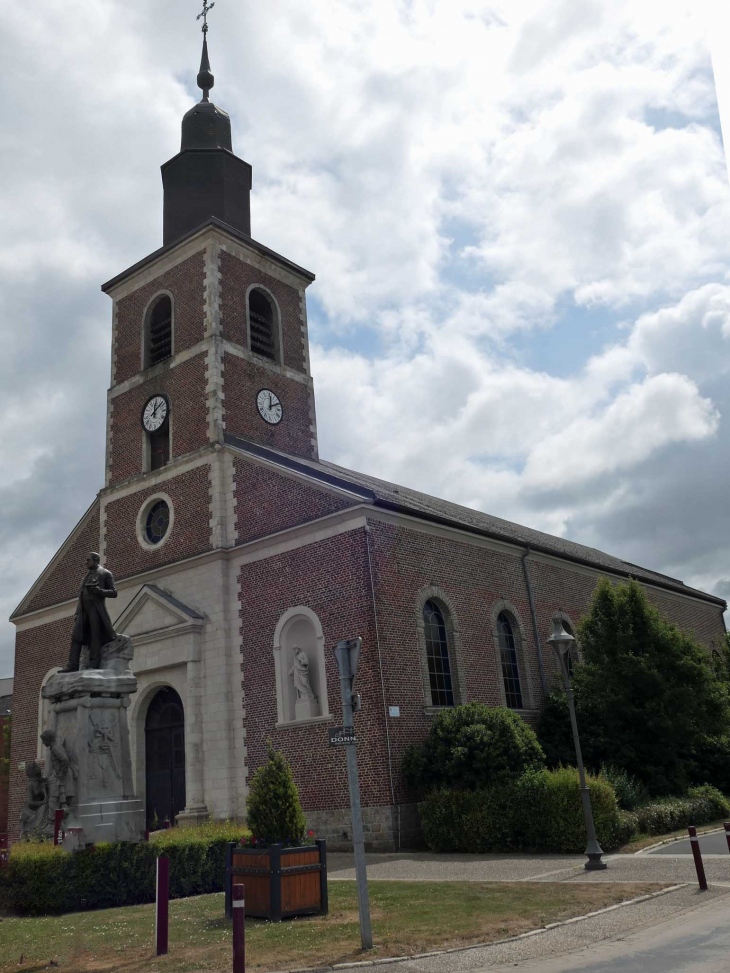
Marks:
<point>159,332</point>
<point>262,325</point>
<point>437,655</point>
<point>509,662</point>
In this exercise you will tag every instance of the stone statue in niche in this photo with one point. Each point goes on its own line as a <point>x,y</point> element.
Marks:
<point>62,779</point>
<point>101,746</point>
<point>35,818</point>
<point>306,705</point>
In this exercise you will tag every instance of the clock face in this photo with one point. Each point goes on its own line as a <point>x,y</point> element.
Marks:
<point>269,407</point>
<point>155,413</point>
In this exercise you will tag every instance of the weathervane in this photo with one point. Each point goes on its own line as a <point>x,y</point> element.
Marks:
<point>207,7</point>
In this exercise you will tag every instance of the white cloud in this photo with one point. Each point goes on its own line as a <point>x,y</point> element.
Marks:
<point>470,183</point>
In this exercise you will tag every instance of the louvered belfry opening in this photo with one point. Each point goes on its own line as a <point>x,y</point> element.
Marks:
<point>261,316</point>
<point>160,332</point>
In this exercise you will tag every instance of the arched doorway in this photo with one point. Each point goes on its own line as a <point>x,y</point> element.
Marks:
<point>165,758</point>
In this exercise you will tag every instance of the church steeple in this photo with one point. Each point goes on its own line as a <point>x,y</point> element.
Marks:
<point>205,179</point>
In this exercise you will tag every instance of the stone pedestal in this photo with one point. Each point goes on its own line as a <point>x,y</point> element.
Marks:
<point>89,718</point>
<point>305,708</point>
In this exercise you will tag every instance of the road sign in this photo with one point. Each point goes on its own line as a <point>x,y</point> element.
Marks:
<point>342,736</point>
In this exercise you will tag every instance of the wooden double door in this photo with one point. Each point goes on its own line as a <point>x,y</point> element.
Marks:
<point>165,758</point>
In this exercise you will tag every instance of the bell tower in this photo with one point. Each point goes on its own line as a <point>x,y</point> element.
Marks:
<point>210,331</point>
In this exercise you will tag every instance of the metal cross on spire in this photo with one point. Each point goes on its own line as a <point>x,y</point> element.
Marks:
<point>207,7</point>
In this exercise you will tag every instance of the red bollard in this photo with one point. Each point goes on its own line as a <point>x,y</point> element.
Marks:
<point>58,826</point>
<point>727,834</point>
<point>239,929</point>
<point>162,906</point>
<point>695,842</point>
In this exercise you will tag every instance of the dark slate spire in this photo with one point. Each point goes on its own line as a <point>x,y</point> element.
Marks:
<point>205,78</point>
<point>205,179</point>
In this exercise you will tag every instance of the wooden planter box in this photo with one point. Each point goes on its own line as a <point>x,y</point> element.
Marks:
<point>280,882</point>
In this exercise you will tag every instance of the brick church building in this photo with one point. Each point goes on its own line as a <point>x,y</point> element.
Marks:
<point>233,544</point>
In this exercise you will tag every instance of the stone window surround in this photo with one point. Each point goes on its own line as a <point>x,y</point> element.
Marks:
<point>142,522</point>
<point>163,292</point>
<point>281,674</point>
<point>435,593</point>
<point>521,642</point>
<point>277,326</point>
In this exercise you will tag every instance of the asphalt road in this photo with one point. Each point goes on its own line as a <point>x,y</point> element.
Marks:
<point>710,844</point>
<point>697,942</point>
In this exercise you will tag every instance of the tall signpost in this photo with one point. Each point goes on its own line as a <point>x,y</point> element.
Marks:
<point>347,653</point>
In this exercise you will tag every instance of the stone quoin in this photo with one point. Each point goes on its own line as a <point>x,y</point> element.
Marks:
<point>232,544</point>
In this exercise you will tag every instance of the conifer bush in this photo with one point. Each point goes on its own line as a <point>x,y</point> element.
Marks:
<point>274,812</point>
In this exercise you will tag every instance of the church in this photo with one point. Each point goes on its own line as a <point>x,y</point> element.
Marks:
<point>241,557</point>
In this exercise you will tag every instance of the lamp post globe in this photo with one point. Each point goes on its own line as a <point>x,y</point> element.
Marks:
<point>562,643</point>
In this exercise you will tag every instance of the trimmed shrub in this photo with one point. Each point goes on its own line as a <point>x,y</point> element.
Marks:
<point>720,804</point>
<point>42,880</point>
<point>273,809</point>
<point>628,826</point>
<point>630,792</point>
<point>542,811</point>
<point>702,805</point>
<point>471,747</point>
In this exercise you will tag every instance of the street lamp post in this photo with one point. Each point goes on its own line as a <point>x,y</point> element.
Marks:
<point>562,642</point>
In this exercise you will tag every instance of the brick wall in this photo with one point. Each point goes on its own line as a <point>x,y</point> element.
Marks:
<point>236,277</point>
<point>331,578</point>
<point>185,282</point>
<point>65,579</point>
<point>475,580</point>
<point>36,651</point>
<point>242,382</point>
<point>190,533</point>
<point>267,502</point>
<point>185,385</point>
<point>4,792</point>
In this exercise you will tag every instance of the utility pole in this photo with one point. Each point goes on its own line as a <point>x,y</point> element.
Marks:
<point>347,653</point>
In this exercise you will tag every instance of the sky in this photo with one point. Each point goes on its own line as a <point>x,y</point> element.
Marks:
<point>519,217</point>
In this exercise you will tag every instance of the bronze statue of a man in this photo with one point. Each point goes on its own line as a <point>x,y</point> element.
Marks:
<point>92,626</point>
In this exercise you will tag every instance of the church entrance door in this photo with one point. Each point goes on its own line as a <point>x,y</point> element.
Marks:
<point>165,758</point>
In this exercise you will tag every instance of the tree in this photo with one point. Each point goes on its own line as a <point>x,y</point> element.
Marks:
<point>647,698</point>
<point>274,812</point>
<point>472,746</point>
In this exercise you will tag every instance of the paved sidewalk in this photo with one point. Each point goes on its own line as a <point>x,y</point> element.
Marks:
<point>427,866</point>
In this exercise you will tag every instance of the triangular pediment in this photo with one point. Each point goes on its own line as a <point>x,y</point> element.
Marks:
<point>152,611</point>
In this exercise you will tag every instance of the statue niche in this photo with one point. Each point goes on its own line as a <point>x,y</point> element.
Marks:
<point>306,704</point>
<point>300,670</point>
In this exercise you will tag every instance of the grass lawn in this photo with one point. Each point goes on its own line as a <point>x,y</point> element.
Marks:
<point>408,917</point>
<point>644,840</point>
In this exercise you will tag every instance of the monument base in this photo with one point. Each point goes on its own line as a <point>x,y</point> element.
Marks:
<point>88,824</point>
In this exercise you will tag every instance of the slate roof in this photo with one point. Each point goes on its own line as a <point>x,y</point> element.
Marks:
<point>391,496</point>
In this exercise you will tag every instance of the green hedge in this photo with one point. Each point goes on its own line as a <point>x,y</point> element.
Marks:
<point>702,805</point>
<point>541,811</point>
<point>41,880</point>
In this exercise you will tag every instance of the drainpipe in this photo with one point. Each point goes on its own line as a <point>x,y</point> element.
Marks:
<point>534,620</point>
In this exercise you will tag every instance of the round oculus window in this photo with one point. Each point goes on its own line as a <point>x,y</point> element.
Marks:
<point>158,522</point>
